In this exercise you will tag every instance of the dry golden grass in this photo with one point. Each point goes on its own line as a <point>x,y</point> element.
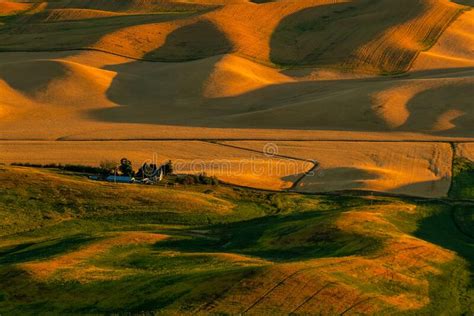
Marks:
<point>228,164</point>
<point>232,90</point>
<point>218,79</point>
<point>420,169</point>
<point>398,45</point>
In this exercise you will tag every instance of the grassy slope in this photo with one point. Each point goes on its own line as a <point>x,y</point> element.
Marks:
<point>440,228</point>
<point>440,225</point>
<point>463,179</point>
<point>223,249</point>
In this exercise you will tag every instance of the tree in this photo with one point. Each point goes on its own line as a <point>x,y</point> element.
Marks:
<point>168,168</point>
<point>126,167</point>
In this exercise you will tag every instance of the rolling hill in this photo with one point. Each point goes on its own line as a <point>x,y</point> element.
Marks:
<point>66,240</point>
<point>262,68</point>
<point>360,70</point>
<point>341,130</point>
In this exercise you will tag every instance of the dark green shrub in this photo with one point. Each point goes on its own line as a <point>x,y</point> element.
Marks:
<point>126,167</point>
<point>168,168</point>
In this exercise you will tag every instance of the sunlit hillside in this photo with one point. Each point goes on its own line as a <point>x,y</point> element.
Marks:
<point>66,240</point>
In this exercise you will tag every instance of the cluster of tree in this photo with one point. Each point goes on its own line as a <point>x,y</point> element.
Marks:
<point>150,170</point>
<point>67,167</point>
<point>125,168</point>
<point>168,168</point>
<point>202,178</point>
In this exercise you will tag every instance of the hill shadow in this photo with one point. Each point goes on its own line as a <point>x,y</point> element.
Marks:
<point>46,72</point>
<point>446,108</point>
<point>353,179</point>
<point>194,41</point>
<point>464,2</point>
<point>332,34</point>
<point>172,93</point>
<point>81,34</point>
<point>128,6</point>
<point>175,97</point>
<point>180,101</point>
<point>346,177</point>
<point>416,189</point>
<point>441,229</point>
<point>43,250</point>
<point>282,238</point>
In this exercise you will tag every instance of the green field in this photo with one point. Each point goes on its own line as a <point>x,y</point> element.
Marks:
<point>463,179</point>
<point>74,246</point>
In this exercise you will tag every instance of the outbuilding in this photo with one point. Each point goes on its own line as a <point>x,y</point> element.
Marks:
<point>120,179</point>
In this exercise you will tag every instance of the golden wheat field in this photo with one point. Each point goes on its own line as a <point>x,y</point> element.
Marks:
<point>221,97</point>
<point>231,165</point>
<point>420,169</point>
<point>279,70</point>
<point>410,168</point>
<point>215,76</point>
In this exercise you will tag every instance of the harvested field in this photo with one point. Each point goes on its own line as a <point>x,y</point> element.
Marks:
<point>387,38</point>
<point>93,95</point>
<point>454,47</point>
<point>229,86</point>
<point>420,169</point>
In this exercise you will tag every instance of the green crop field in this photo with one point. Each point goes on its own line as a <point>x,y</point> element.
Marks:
<point>74,246</point>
